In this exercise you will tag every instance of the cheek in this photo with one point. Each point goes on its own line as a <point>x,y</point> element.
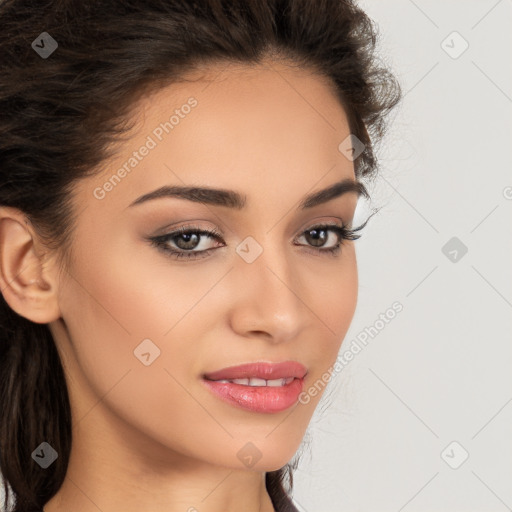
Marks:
<point>332,301</point>
<point>336,301</point>
<point>110,305</point>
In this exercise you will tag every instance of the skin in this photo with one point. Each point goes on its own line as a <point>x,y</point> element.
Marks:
<point>153,437</point>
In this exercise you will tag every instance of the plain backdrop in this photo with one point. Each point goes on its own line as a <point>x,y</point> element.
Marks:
<point>420,419</point>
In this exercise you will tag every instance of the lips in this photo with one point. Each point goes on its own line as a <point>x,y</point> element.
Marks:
<point>260,370</point>
<point>258,387</point>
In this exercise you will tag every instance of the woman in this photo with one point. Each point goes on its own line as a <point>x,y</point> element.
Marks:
<point>178,184</point>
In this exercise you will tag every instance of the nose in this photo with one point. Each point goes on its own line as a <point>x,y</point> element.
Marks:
<point>269,299</point>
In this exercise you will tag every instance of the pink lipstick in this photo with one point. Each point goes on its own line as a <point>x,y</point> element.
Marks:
<point>258,387</point>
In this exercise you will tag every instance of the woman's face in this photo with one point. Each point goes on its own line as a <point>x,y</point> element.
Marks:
<point>141,327</point>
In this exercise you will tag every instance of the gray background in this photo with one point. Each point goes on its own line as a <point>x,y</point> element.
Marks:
<point>440,371</point>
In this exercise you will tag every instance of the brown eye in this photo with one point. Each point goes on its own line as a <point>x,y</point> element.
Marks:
<point>185,239</point>
<point>190,240</point>
<point>317,236</point>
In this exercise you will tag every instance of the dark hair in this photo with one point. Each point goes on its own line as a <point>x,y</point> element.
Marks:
<point>60,114</point>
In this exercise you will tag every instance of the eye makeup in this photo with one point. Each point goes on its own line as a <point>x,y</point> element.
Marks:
<point>191,234</point>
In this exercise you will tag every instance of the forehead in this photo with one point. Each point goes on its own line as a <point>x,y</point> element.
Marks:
<point>269,127</point>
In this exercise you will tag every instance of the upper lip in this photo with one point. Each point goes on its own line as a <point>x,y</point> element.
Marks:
<point>260,370</point>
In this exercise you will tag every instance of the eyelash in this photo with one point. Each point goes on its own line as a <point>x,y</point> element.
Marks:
<point>161,242</point>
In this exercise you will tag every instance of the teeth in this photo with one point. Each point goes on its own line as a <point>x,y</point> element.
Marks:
<point>276,382</point>
<point>254,381</point>
<point>244,382</point>
<point>257,382</point>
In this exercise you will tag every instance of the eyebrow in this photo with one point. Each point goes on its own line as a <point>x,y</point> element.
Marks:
<point>237,201</point>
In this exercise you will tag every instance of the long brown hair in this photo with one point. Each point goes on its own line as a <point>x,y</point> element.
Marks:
<point>60,112</point>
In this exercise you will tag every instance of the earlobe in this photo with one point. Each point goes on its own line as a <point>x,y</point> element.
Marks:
<point>27,278</point>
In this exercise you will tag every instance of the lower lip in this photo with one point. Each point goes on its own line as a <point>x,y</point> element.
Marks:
<point>266,399</point>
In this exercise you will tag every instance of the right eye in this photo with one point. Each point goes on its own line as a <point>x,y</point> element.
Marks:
<point>185,238</point>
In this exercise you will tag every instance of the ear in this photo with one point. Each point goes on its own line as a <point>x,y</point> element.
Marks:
<point>28,277</point>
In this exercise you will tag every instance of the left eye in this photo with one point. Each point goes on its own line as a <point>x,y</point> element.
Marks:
<point>188,238</point>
